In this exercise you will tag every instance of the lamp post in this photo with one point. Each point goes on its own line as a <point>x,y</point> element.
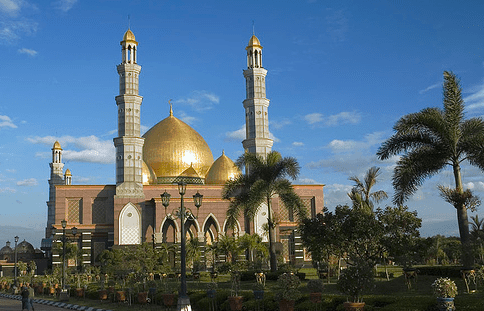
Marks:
<point>15,269</point>
<point>183,299</point>
<point>64,293</point>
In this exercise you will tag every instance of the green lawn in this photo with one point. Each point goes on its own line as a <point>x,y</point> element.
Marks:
<point>386,295</point>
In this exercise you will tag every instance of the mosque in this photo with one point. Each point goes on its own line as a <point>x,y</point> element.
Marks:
<point>131,212</point>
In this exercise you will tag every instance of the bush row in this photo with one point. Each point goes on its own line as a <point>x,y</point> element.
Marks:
<point>443,271</point>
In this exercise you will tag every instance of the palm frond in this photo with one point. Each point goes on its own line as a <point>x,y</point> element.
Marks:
<point>290,199</point>
<point>412,170</point>
<point>453,103</point>
<point>414,131</point>
<point>457,198</point>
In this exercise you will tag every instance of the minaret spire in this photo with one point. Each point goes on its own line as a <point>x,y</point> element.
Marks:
<point>56,178</point>
<point>256,104</point>
<point>129,143</point>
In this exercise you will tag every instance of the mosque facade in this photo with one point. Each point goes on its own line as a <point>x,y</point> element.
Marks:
<point>131,211</point>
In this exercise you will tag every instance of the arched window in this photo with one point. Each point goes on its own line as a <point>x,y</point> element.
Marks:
<point>129,225</point>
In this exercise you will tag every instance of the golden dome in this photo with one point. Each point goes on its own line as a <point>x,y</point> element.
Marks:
<point>222,170</point>
<point>254,41</point>
<point>148,176</point>
<point>57,145</point>
<point>172,146</point>
<point>129,36</point>
<point>68,172</point>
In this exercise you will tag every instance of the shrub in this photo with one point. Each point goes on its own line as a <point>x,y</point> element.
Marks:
<point>315,286</point>
<point>288,284</point>
<point>442,271</point>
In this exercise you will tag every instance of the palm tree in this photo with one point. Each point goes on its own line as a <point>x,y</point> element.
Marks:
<point>477,236</point>
<point>431,140</point>
<point>361,194</point>
<point>265,177</point>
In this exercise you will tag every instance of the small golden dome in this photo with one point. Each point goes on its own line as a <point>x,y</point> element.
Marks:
<point>254,41</point>
<point>148,176</point>
<point>222,170</point>
<point>189,172</point>
<point>68,172</point>
<point>172,146</point>
<point>57,145</point>
<point>129,36</point>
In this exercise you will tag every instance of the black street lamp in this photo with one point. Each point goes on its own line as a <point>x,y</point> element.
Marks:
<point>183,299</point>
<point>15,270</point>
<point>64,240</point>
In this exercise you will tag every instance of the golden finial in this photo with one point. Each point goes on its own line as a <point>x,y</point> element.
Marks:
<point>171,108</point>
<point>223,152</point>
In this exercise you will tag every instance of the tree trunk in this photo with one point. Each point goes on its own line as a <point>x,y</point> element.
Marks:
<point>463,221</point>
<point>272,246</point>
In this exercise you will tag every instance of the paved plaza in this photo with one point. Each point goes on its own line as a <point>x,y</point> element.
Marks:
<point>13,303</point>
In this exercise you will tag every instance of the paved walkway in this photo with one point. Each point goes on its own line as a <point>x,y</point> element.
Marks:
<point>14,303</point>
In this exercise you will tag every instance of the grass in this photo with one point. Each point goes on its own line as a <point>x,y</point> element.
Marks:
<point>385,296</point>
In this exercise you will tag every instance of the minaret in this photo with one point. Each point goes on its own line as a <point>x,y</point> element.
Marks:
<point>129,143</point>
<point>68,177</point>
<point>56,178</point>
<point>256,104</point>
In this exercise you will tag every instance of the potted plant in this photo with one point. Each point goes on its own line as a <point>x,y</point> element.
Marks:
<point>315,288</point>
<point>259,291</point>
<point>212,290</point>
<point>169,293</point>
<point>288,292</point>
<point>445,290</point>
<point>353,281</point>
<point>235,301</point>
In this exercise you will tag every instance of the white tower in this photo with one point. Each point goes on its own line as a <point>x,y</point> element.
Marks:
<point>56,178</point>
<point>256,104</point>
<point>129,143</point>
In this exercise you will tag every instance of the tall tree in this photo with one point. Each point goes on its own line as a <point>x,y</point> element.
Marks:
<point>477,237</point>
<point>431,140</point>
<point>264,178</point>
<point>361,194</point>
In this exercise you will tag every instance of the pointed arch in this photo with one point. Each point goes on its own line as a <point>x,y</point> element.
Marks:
<point>192,228</point>
<point>129,225</point>
<point>211,229</point>
<point>169,229</point>
<point>230,231</point>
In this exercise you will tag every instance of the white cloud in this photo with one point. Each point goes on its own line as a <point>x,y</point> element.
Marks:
<point>336,194</point>
<point>433,86</point>
<point>274,138</point>
<point>28,182</point>
<point>7,189</point>
<point>199,100</point>
<point>344,117</point>
<point>298,144</point>
<point>65,5</point>
<point>369,141</point>
<point>11,7</point>
<point>478,186</point>
<point>305,181</point>
<point>186,118</point>
<point>5,121</point>
<point>11,31</point>
<point>11,170</point>
<point>279,124</point>
<point>476,99</point>
<point>337,25</point>
<point>85,149</point>
<point>27,51</point>
<point>313,118</point>
<point>237,135</point>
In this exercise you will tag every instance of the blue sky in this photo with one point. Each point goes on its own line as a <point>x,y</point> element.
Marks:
<point>340,74</point>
